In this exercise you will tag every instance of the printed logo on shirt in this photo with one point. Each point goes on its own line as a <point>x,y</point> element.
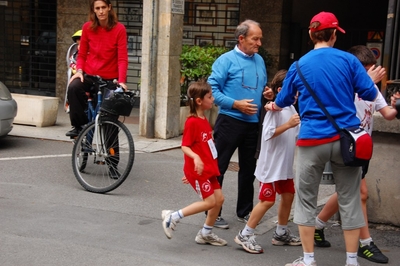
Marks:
<point>204,136</point>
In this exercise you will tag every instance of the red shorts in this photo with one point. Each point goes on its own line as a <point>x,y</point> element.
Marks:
<point>204,187</point>
<point>268,190</point>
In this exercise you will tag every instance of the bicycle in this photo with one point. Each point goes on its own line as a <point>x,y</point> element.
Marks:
<point>104,152</point>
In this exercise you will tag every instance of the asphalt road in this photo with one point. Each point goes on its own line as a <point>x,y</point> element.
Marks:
<point>47,218</point>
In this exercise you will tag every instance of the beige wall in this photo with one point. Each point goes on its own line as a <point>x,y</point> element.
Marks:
<point>383,177</point>
<point>71,15</point>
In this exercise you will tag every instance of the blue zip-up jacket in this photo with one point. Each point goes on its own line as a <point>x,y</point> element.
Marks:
<point>335,76</point>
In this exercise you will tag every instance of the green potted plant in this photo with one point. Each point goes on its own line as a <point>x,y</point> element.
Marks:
<point>196,62</point>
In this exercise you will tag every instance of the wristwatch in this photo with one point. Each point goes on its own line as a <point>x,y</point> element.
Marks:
<point>80,71</point>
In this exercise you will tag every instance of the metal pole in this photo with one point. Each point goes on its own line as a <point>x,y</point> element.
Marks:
<point>387,50</point>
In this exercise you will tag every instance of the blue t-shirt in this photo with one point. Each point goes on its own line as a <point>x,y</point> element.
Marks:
<point>236,76</point>
<point>335,76</point>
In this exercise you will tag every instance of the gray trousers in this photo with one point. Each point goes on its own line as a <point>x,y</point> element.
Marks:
<point>310,164</point>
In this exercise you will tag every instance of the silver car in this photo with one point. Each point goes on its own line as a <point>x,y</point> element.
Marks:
<point>8,110</point>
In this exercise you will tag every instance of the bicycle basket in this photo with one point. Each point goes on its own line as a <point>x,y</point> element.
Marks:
<point>117,103</point>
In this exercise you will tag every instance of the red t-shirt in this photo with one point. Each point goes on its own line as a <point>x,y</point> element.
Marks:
<point>103,52</point>
<point>196,133</point>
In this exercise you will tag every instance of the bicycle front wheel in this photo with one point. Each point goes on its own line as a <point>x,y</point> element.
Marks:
<point>102,157</point>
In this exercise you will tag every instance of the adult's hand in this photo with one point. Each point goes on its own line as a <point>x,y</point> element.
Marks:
<point>124,86</point>
<point>271,106</point>
<point>246,106</point>
<point>377,73</point>
<point>76,76</point>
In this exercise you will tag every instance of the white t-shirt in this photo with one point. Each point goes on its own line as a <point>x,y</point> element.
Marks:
<point>366,109</point>
<point>276,157</point>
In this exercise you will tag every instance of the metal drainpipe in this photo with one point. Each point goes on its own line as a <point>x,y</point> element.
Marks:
<point>395,38</point>
<point>390,61</point>
<point>388,44</point>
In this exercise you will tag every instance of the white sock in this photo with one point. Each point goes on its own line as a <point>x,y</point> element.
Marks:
<point>366,242</point>
<point>247,231</point>
<point>206,230</point>
<point>308,257</point>
<point>280,229</point>
<point>176,216</point>
<point>319,224</point>
<point>351,258</point>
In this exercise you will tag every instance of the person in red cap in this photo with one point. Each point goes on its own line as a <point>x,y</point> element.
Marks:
<point>334,76</point>
<point>365,110</point>
<point>325,20</point>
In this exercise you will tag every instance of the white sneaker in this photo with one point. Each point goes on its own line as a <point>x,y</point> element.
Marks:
<point>168,224</point>
<point>248,243</point>
<point>300,262</point>
<point>211,239</point>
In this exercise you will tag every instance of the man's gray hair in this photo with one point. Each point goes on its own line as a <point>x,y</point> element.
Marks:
<point>244,27</point>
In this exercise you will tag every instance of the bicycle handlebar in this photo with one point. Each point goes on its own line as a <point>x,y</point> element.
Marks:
<point>119,87</point>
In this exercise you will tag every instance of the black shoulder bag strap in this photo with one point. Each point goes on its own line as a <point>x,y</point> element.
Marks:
<point>316,97</point>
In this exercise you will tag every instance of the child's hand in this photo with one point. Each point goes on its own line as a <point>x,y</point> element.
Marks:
<point>394,98</point>
<point>268,93</point>
<point>294,120</point>
<point>73,68</point>
<point>184,180</point>
<point>198,165</point>
<point>377,73</point>
<point>296,97</point>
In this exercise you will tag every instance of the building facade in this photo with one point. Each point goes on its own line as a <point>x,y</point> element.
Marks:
<point>36,35</point>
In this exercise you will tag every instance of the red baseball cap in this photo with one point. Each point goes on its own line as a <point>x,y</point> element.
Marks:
<point>327,20</point>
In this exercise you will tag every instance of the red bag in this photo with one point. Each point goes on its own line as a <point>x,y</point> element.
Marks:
<point>356,146</point>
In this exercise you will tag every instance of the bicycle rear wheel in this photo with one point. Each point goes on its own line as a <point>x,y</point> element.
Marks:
<point>102,157</point>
